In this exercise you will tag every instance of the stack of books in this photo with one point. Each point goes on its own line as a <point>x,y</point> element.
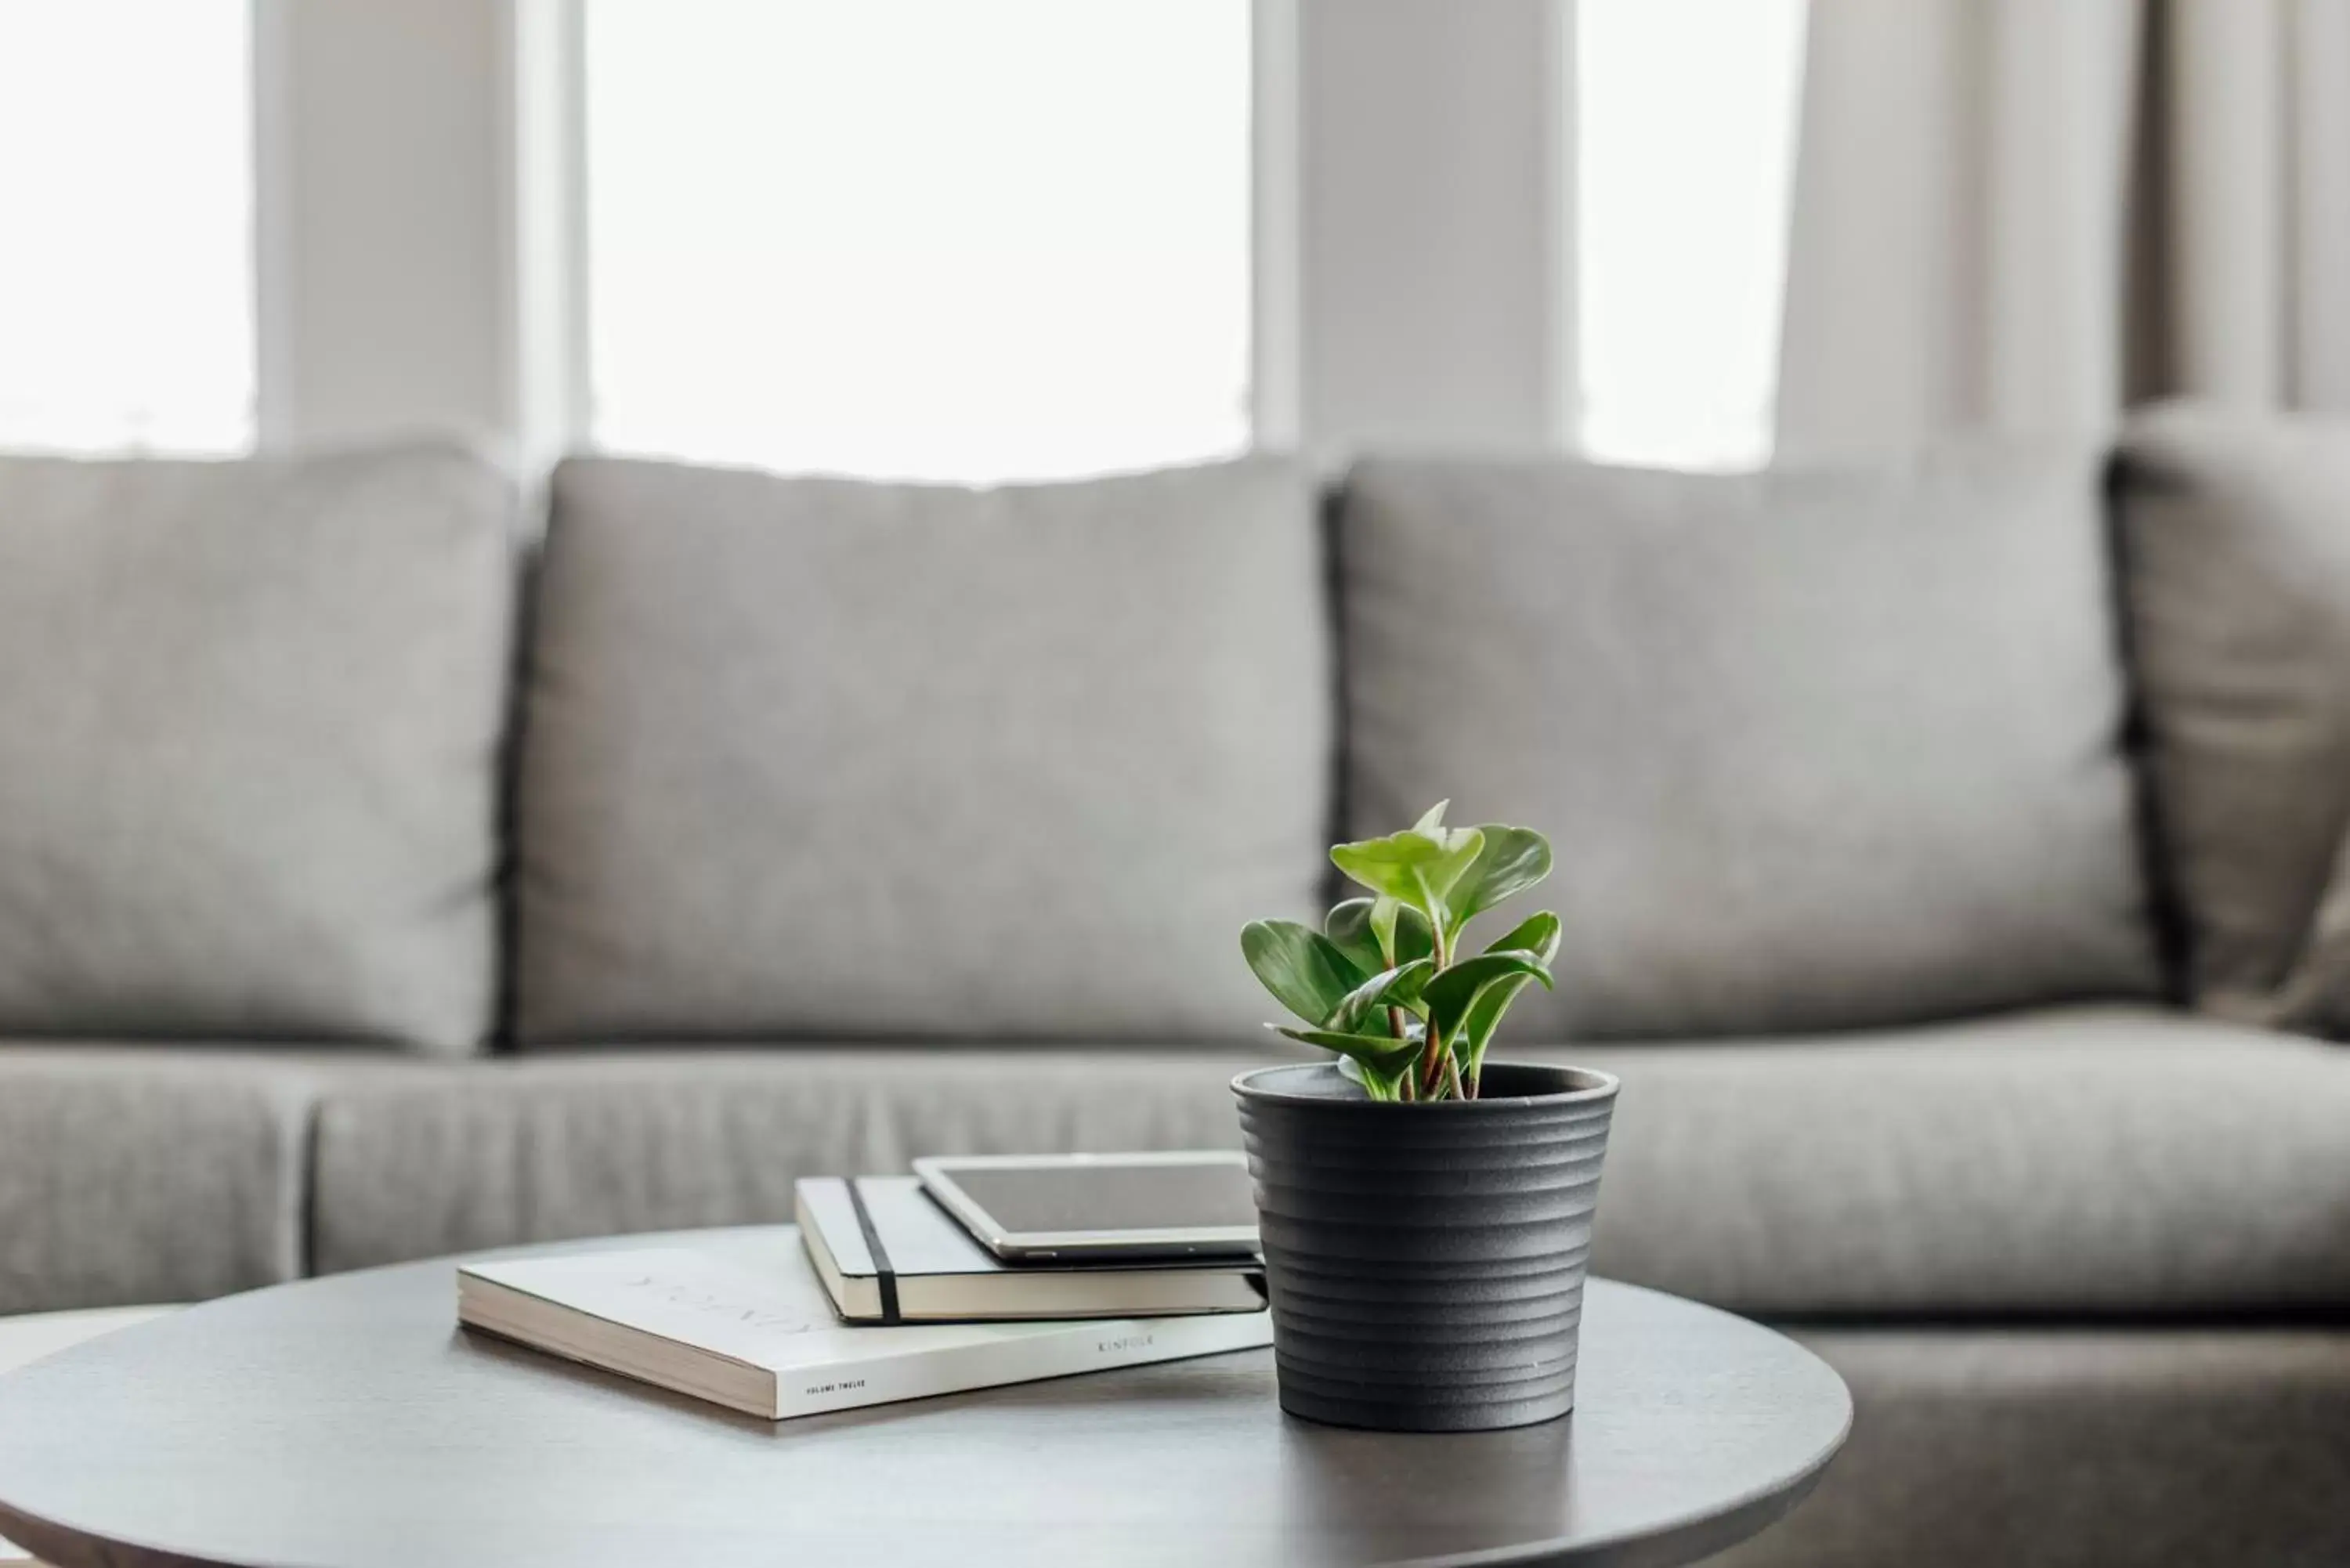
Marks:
<point>887,1298</point>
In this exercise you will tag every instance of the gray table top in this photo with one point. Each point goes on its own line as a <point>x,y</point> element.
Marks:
<point>349,1423</point>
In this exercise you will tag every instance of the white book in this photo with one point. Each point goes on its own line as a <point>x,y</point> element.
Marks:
<point>762,1338</point>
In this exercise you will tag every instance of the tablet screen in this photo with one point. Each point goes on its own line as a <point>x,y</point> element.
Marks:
<point>1106,1196</point>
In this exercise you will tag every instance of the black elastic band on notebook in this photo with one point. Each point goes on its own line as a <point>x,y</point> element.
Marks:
<point>880,1254</point>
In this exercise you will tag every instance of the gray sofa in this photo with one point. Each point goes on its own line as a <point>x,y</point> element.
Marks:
<point>1945,851</point>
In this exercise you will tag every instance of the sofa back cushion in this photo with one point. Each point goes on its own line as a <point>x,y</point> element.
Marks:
<point>1814,748</point>
<point>2236,541</point>
<point>250,722</point>
<point>812,757</point>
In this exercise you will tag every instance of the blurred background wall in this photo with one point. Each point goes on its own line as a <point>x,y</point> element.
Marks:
<point>1043,237</point>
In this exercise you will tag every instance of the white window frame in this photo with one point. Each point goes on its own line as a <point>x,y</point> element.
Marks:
<point>419,254</point>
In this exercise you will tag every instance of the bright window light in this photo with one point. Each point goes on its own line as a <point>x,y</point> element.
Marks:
<point>919,239</point>
<point>1685,143</point>
<point>125,252</point>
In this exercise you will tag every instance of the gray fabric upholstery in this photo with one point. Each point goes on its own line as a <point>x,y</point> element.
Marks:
<point>135,1174</point>
<point>551,1146</point>
<point>2077,1448</point>
<point>251,714</point>
<point>813,757</point>
<point>2099,1160</point>
<point>1817,749</point>
<point>2081,1161</point>
<point>2236,536</point>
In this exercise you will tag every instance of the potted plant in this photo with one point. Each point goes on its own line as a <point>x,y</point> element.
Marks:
<point>1425,1215</point>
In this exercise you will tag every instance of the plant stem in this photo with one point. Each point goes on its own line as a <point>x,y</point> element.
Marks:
<point>1399,1026</point>
<point>1452,1077</point>
<point>1435,1058</point>
<point>1432,1062</point>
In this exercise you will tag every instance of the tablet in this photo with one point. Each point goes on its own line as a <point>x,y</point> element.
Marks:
<point>1040,1208</point>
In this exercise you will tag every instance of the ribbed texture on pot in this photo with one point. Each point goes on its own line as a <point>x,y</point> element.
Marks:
<point>1426,1262</point>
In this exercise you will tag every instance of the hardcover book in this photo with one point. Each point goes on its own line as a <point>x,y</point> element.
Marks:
<point>888,1253</point>
<point>764,1339</point>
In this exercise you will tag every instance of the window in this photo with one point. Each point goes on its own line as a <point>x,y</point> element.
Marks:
<point>126,277</point>
<point>919,239</point>
<point>1685,145</point>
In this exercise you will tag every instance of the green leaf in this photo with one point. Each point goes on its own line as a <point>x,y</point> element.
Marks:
<point>1412,867</point>
<point>1366,1006</point>
<point>1304,969</point>
<point>1478,1024</point>
<point>1512,860</point>
<point>1401,933</point>
<point>1414,937</point>
<point>1377,1051</point>
<point>1431,821</point>
<point>1348,926</point>
<point>1385,1061</point>
<point>1449,995</point>
<point>1537,935</point>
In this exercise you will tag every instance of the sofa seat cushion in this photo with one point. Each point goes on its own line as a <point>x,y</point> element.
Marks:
<point>2103,1160</point>
<point>551,1146</point>
<point>1815,749</point>
<point>132,1174</point>
<point>2074,1161</point>
<point>819,758</point>
<point>251,715</point>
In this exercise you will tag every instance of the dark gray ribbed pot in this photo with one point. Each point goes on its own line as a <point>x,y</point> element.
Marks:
<point>1426,1260</point>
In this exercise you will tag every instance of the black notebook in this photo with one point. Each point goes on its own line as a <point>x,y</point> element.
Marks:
<point>887,1253</point>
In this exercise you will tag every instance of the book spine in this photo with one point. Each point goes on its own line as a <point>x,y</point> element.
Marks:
<point>1080,1348</point>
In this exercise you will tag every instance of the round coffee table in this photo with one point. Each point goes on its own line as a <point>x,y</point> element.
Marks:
<point>349,1423</point>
